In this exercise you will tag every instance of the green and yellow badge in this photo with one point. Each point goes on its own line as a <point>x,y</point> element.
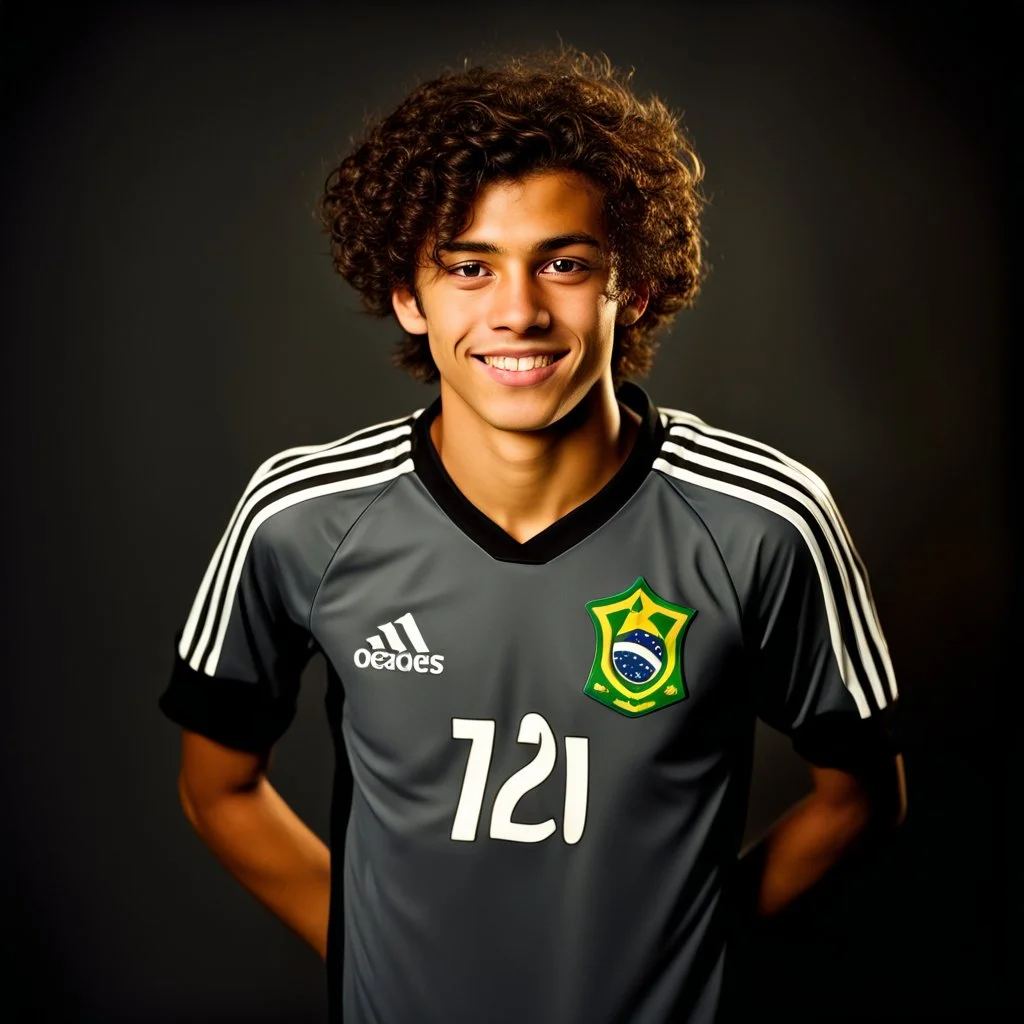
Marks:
<point>638,662</point>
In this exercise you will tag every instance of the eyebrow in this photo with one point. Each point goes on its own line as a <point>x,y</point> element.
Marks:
<point>545,245</point>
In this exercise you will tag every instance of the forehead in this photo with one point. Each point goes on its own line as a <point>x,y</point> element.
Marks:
<point>541,205</point>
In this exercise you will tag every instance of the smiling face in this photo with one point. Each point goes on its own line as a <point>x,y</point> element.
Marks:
<point>521,317</point>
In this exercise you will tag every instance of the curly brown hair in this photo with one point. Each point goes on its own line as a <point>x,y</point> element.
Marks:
<point>414,176</point>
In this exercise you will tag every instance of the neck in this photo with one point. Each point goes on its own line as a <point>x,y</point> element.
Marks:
<point>526,480</point>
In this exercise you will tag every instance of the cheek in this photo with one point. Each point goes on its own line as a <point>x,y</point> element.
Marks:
<point>600,315</point>
<point>449,330</point>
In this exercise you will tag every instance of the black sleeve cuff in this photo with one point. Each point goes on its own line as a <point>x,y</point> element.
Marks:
<point>849,743</point>
<point>231,712</point>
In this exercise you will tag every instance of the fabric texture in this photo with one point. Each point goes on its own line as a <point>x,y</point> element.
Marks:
<point>544,749</point>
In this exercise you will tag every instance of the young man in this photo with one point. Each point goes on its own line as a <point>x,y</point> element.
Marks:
<point>551,613</point>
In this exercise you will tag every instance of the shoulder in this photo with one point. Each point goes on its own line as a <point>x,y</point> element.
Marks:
<point>738,483</point>
<point>324,487</point>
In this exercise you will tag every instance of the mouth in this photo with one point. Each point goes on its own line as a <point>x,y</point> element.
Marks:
<point>520,364</point>
<point>517,371</point>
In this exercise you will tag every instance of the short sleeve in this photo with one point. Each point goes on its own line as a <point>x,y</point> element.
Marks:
<point>823,674</point>
<point>242,649</point>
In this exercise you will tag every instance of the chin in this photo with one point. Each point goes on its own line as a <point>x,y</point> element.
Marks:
<point>520,424</point>
<point>523,413</point>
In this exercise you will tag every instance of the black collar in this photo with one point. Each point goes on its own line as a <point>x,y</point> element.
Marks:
<point>572,527</point>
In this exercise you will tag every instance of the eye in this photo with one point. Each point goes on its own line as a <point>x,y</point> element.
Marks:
<point>471,271</point>
<point>564,265</point>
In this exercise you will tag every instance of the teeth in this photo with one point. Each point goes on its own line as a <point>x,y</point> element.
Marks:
<point>511,363</point>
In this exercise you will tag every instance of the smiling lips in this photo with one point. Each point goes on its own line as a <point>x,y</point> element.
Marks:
<point>520,370</point>
<point>519,365</point>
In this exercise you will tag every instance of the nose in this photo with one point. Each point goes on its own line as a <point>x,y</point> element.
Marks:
<point>518,304</point>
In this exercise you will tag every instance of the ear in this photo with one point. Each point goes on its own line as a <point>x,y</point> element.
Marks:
<point>407,309</point>
<point>634,307</point>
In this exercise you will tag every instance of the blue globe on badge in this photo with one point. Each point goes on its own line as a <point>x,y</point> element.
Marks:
<point>637,656</point>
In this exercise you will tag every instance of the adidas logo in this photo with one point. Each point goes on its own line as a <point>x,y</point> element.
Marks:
<point>387,650</point>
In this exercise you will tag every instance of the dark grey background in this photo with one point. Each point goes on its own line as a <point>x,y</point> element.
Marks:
<point>170,318</point>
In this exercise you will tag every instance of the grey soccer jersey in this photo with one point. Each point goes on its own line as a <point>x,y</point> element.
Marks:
<point>544,749</point>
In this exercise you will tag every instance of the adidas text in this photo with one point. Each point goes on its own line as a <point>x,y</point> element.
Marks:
<point>403,662</point>
<point>388,649</point>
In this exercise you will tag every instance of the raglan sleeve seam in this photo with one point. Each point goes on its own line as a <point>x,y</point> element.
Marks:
<point>337,549</point>
<point>741,617</point>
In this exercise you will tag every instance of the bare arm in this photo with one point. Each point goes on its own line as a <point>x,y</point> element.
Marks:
<point>811,838</point>
<point>231,804</point>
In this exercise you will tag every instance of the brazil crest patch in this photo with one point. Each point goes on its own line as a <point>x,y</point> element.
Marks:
<point>638,662</point>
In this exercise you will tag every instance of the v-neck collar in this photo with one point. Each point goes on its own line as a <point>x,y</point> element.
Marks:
<point>573,526</point>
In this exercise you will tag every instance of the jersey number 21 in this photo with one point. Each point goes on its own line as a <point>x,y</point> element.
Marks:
<point>532,729</point>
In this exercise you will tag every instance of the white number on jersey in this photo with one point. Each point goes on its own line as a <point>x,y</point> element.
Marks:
<point>532,729</point>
